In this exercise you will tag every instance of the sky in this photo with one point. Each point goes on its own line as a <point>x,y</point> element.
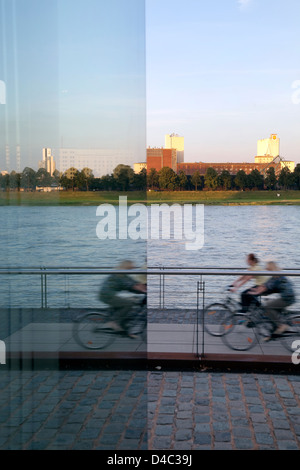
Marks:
<point>122,74</point>
<point>74,72</point>
<point>221,73</point>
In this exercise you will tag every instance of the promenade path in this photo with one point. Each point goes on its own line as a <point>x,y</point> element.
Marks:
<point>172,335</point>
<point>222,404</point>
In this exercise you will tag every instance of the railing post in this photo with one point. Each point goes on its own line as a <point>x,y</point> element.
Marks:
<point>200,288</point>
<point>43,288</point>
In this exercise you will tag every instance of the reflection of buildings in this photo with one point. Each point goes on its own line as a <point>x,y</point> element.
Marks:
<point>48,161</point>
<point>267,156</point>
<point>101,161</point>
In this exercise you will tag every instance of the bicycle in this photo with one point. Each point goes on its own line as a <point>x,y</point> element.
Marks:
<point>90,330</point>
<point>215,312</point>
<point>242,331</point>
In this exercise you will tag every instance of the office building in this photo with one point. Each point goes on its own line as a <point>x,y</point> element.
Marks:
<point>101,161</point>
<point>158,158</point>
<point>47,162</point>
<point>174,141</point>
<point>267,149</point>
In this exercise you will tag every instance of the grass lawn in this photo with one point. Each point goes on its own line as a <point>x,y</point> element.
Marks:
<point>112,197</point>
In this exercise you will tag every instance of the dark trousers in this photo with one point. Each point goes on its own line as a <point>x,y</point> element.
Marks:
<point>248,299</point>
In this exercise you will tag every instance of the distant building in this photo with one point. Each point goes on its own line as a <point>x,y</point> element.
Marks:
<point>138,167</point>
<point>267,156</point>
<point>158,158</point>
<point>48,162</point>
<point>232,168</point>
<point>268,149</point>
<point>175,141</point>
<point>101,161</point>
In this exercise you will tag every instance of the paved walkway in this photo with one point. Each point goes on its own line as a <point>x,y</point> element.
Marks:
<point>138,409</point>
<point>156,410</point>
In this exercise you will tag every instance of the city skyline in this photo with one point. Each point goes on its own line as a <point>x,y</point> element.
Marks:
<point>222,74</point>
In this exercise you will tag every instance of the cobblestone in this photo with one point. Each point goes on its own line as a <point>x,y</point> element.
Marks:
<point>159,410</point>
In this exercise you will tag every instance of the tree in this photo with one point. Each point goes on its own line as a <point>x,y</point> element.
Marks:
<point>270,178</point>
<point>167,179</point>
<point>85,178</point>
<point>240,179</point>
<point>28,178</point>
<point>255,180</point>
<point>124,176</point>
<point>182,179</point>
<point>152,178</point>
<point>225,180</point>
<point>56,177</point>
<point>43,178</point>
<point>286,178</point>
<point>297,176</point>
<point>108,183</point>
<point>15,180</point>
<point>69,179</point>
<point>196,179</point>
<point>211,178</point>
<point>140,180</point>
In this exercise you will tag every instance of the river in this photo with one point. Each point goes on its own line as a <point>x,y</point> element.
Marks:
<point>66,237</point>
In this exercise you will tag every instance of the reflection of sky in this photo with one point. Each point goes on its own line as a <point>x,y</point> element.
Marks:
<point>74,74</point>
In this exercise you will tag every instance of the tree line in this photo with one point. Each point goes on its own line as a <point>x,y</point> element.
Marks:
<point>124,178</point>
<point>167,179</point>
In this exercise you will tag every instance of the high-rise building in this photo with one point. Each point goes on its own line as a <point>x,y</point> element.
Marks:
<point>175,141</point>
<point>48,162</point>
<point>267,149</point>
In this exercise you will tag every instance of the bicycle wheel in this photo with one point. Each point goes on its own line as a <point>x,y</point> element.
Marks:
<point>213,318</point>
<point>238,334</point>
<point>91,333</point>
<point>292,334</point>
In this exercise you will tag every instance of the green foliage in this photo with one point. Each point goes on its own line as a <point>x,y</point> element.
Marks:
<point>211,178</point>
<point>196,180</point>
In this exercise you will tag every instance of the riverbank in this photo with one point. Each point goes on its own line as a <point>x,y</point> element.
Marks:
<point>94,198</point>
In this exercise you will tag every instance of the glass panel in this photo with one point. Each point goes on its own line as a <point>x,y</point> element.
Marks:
<point>72,126</point>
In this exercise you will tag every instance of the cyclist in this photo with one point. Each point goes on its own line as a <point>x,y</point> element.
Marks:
<point>247,297</point>
<point>276,285</point>
<point>116,291</point>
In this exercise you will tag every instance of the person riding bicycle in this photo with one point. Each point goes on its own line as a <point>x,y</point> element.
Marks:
<point>246,296</point>
<point>274,307</point>
<point>115,292</point>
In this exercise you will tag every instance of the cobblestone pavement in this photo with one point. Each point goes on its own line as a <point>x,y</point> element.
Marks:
<point>159,410</point>
<point>189,411</point>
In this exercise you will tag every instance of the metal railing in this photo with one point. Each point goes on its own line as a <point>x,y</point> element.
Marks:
<point>161,272</point>
<point>45,273</point>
